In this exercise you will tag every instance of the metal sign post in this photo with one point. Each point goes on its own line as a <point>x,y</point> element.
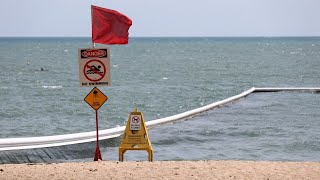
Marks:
<point>97,155</point>
<point>96,99</point>
<point>94,70</point>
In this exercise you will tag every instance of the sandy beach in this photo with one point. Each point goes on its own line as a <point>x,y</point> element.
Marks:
<point>164,170</point>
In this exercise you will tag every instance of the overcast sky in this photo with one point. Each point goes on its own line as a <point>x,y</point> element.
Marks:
<point>154,18</point>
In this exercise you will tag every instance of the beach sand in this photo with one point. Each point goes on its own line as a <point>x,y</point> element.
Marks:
<point>164,170</point>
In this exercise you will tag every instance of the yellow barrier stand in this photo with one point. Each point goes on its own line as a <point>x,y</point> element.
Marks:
<point>135,136</point>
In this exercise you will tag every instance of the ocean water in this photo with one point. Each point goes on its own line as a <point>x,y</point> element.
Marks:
<point>167,76</point>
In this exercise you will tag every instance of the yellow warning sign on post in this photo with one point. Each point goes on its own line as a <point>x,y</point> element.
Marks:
<point>96,98</point>
<point>135,136</point>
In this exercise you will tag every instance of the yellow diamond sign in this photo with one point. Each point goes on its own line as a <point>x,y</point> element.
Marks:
<point>95,98</point>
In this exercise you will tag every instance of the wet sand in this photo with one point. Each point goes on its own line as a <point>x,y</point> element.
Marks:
<point>164,170</point>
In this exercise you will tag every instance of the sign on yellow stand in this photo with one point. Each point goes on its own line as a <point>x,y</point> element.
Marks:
<point>135,136</point>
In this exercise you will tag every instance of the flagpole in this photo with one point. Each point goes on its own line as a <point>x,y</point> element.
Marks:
<point>93,44</point>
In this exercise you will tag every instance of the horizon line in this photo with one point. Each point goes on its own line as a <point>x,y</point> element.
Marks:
<point>306,36</point>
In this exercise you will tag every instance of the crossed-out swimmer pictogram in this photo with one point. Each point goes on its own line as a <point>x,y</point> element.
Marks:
<point>92,70</point>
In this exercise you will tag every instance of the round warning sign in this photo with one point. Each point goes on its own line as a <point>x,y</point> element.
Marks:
<point>94,70</point>
<point>135,122</point>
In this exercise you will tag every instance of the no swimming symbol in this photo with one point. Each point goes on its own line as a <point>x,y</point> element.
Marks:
<point>94,70</point>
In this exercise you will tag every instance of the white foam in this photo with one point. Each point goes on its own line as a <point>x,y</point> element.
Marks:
<point>294,52</point>
<point>52,87</point>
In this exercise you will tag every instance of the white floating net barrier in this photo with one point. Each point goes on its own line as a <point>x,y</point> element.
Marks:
<point>68,139</point>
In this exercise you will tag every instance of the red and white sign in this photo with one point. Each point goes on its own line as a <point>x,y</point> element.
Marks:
<point>94,67</point>
<point>135,122</point>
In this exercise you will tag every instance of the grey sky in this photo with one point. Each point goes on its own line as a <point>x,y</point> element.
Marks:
<point>165,18</point>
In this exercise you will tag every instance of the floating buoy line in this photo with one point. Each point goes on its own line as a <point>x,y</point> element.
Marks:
<point>76,138</point>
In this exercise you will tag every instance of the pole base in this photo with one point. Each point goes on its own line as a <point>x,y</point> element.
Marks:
<point>97,155</point>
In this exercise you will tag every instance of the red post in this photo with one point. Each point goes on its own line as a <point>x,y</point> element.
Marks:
<point>97,154</point>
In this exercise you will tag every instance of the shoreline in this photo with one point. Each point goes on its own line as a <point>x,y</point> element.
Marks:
<point>211,169</point>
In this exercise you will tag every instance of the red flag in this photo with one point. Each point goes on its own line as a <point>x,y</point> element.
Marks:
<point>109,26</point>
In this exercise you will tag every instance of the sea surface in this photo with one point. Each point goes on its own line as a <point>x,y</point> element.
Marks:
<point>166,76</point>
